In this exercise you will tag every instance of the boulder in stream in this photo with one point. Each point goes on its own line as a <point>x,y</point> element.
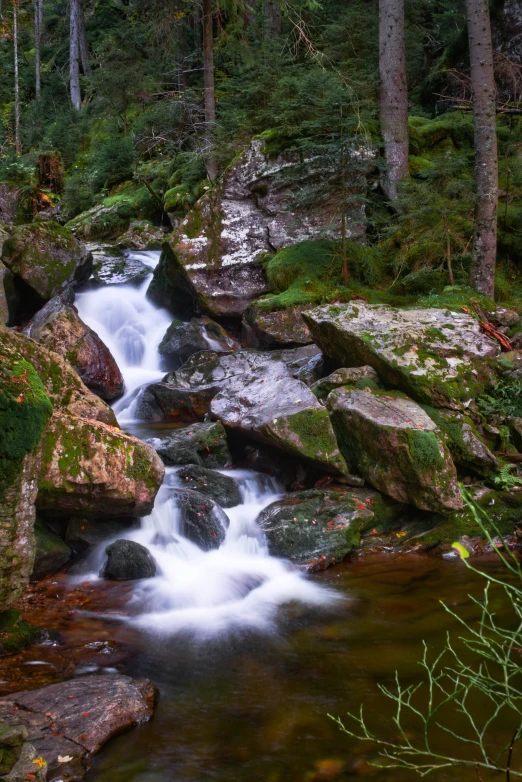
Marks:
<point>128,560</point>
<point>52,553</point>
<point>360,377</point>
<point>63,724</point>
<point>141,235</point>
<point>203,521</point>
<point>81,533</point>
<point>183,339</point>
<point>223,489</point>
<point>112,266</point>
<point>200,443</point>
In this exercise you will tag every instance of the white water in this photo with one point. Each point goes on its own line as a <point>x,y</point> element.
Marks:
<point>201,592</point>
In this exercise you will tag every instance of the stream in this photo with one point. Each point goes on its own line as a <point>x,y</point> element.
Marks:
<point>249,655</point>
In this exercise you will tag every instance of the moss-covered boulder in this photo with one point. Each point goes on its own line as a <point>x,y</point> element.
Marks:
<point>91,468</point>
<point>464,442</point>
<point>202,520</point>
<point>24,412</point>
<point>51,554</point>
<point>128,560</point>
<point>59,328</point>
<point>61,383</point>
<point>359,377</point>
<point>319,527</point>
<point>183,339</point>
<point>437,357</point>
<point>204,444</point>
<point>15,633</point>
<point>141,235</point>
<point>280,328</point>
<point>42,257</point>
<point>223,489</point>
<point>4,305</point>
<point>104,221</point>
<point>396,447</point>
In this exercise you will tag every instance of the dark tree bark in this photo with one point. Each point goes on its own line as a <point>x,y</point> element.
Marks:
<point>394,94</point>
<point>18,142</point>
<point>272,12</point>
<point>38,27</point>
<point>84,51</point>
<point>482,276</point>
<point>210,95</point>
<point>74,54</point>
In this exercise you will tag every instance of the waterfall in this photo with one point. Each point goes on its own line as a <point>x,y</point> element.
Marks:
<point>201,592</point>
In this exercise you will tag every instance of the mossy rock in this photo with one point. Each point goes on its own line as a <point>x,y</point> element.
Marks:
<point>15,634</point>
<point>52,553</point>
<point>222,488</point>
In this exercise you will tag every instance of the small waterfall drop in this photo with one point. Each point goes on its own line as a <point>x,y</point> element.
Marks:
<point>204,593</point>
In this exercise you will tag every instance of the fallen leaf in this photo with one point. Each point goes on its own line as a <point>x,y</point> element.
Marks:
<point>460,549</point>
<point>86,713</point>
<point>64,759</point>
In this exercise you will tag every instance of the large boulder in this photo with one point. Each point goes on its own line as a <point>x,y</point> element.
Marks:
<point>62,384</point>
<point>213,262</point>
<point>223,489</point>
<point>43,256</point>
<point>9,200</point>
<point>202,520</point>
<point>319,527</point>
<point>204,444</point>
<point>464,441</point>
<point>115,267</point>
<point>128,561</point>
<point>59,328</point>
<point>54,731</point>
<point>51,554</point>
<point>360,377</point>
<point>396,447</point>
<point>141,235</point>
<point>24,412</point>
<point>183,339</point>
<point>279,328</point>
<point>436,356</point>
<point>91,468</point>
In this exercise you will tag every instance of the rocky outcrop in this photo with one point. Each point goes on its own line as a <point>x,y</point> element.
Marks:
<point>5,274</point>
<point>91,468</point>
<point>128,561</point>
<point>9,200</point>
<point>319,527</point>
<point>51,553</point>
<point>436,356</point>
<point>215,256</point>
<point>396,447</point>
<point>464,441</point>
<point>51,733</point>
<point>42,257</point>
<point>141,235</point>
<point>59,328</point>
<point>183,339</point>
<point>102,221</point>
<point>204,444</point>
<point>221,488</point>
<point>360,377</point>
<point>61,383</point>
<point>202,520</point>
<point>280,328</point>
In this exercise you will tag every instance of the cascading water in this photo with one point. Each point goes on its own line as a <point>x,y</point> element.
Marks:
<point>200,592</point>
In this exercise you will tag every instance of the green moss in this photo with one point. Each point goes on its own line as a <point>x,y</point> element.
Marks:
<point>15,634</point>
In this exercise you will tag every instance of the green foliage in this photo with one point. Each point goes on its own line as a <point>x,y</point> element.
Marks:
<point>113,162</point>
<point>503,399</point>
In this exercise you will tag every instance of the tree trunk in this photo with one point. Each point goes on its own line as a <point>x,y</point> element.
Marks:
<point>272,19</point>
<point>394,94</point>
<point>482,276</point>
<point>38,24</point>
<point>74,54</point>
<point>84,51</point>
<point>18,143</point>
<point>210,96</point>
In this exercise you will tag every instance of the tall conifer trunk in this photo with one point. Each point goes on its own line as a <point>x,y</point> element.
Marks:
<point>272,14</point>
<point>210,95</point>
<point>38,26</point>
<point>18,142</point>
<point>74,54</point>
<point>394,94</point>
<point>82,38</point>
<point>482,276</point>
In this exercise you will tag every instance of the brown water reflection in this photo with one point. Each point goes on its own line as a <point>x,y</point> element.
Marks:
<point>249,707</point>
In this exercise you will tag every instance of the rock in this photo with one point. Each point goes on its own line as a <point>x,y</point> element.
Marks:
<point>128,561</point>
<point>61,383</point>
<point>15,634</point>
<point>58,327</point>
<point>141,235</point>
<point>115,267</point>
<point>203,521</point>
<point>103,222</point>
<point>280,328</point>
<point>12,738</point>
<point>305,363</point>
<point>436,356</point>
<point>213,261</point>
<point>43,256</point>
<point>4,305</point>
<point>221,488</point>
<point>24,412</point>
<point>52,552</point>
<point>91,468</point>
<point>204,444</point>
<point>319,527</point>
<point>360,377</point>
<point>81,534</point>
<point>463,441</point>
<point>182,340</point>
<point>89,710</point>
<point>396,447</point>
<point>9,200</point>
<point>515,428</point>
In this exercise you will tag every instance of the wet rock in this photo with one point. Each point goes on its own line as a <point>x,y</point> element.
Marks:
<point>58,327</point>
<point>9,200</point>
<point>61,383</point>
<point>128,561</point>
<point>464,442</point>
<point>213,260</point>
<point>88,711</point>
<point>94,469</point>
<point>203,521</point>
<point>305,363</point>
<point>319,527</point>
<point>43,256</point>
<point>396,447</point>
<point>182,340</point>
<point>81,534</point>
<point>204,444</point>
<point>12,738</point>
<point>223,489</point>
<point>52,552</point>
<point>141,235</point>
<point>15,634</point>
<point>103,222</point>
<point>436,356</point>
<point>279,328</point>
<point>114,267</point>
<point>360,377</point>
<point>4,305</point>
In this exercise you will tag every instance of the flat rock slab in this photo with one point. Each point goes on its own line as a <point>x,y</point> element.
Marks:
<point>396,446</point>
<point>436,356</point>
<point>223,489</point>
<point>66,723</point>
